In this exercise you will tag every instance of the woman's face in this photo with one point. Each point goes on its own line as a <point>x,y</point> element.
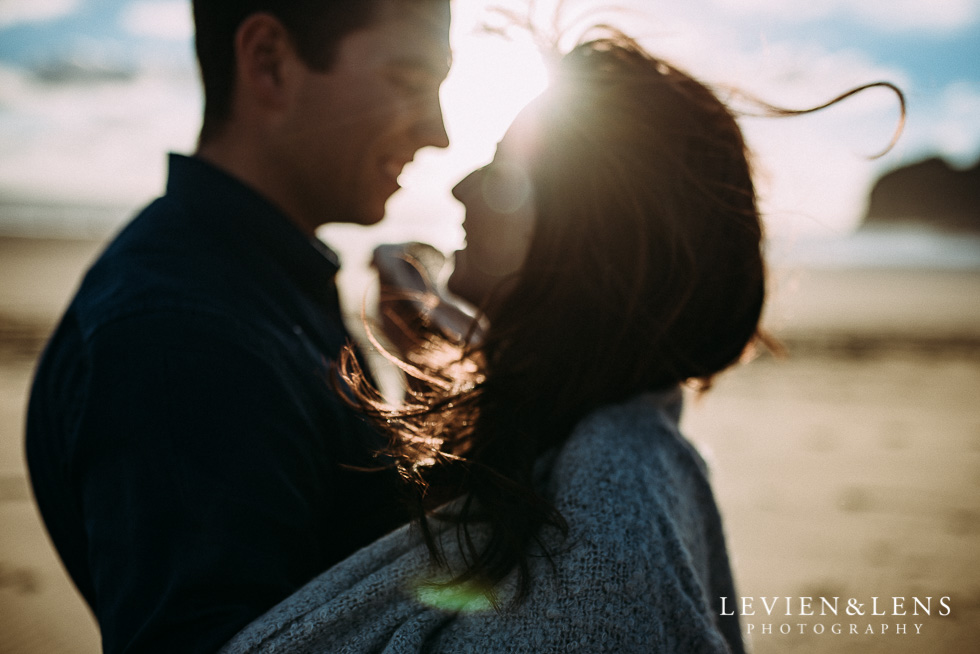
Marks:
<point>499,221</point>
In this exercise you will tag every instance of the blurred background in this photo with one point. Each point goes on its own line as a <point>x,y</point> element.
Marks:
<point>850,468</point>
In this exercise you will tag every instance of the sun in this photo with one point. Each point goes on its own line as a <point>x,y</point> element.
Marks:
<point>492,79</point>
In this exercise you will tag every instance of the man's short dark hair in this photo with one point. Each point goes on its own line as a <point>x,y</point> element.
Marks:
<point>316,27</point>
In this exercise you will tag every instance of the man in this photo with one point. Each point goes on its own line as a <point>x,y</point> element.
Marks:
<point>191,462</point>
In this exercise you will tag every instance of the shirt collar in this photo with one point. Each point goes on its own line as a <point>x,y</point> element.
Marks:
<point>248,221</point>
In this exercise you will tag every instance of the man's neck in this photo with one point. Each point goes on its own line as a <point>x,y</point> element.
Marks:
<point>236,158</point>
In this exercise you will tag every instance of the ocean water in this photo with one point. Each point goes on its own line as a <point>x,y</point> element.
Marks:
<point>906,246</point>
<point>48,220</point>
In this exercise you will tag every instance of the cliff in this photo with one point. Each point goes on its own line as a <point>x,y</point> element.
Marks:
<point>929,192</point>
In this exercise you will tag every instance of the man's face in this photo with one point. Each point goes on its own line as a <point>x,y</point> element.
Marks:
<point>351,129</point>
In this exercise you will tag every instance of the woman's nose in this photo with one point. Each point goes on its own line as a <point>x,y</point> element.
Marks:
<point>462,189</point>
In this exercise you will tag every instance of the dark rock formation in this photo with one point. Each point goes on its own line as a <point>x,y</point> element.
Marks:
<point>929,192</point>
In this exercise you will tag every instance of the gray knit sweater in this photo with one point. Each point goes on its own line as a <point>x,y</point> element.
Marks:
<point>641,570</point>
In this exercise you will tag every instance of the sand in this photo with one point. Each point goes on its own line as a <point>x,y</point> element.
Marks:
<point>850,469</point>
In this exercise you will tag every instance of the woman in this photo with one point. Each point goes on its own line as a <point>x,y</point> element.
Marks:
<point>614,247</point>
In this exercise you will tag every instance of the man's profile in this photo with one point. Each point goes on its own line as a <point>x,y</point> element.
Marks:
<point>188,455</point>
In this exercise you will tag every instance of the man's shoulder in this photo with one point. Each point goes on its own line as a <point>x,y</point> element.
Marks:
<point>157,264</point>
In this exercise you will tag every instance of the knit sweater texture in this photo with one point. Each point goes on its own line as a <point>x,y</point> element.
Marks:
<point>642,569</point>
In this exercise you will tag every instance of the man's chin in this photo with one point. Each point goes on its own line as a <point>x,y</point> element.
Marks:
<point>373,219</point>
<point>370,214</point>
<point>375,212</point>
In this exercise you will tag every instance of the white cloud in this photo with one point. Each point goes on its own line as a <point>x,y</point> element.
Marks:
<point>30,11</point>
<point>162,19</point>
<point>889,15</point>
<point>89,129</point>
<point>107,139</point>
<point>948,122</point>
<point>813,172</point>
<point>101,142</point>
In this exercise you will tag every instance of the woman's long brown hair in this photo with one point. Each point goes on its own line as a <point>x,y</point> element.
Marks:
<point>645,271</point>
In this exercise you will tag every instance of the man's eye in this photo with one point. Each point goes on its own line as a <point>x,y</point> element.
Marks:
<point>414,83</point>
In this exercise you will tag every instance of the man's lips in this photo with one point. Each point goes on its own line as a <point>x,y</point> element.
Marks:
<point>393,167</point>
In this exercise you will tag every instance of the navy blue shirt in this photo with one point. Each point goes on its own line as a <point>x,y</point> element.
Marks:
<point>188,455</point>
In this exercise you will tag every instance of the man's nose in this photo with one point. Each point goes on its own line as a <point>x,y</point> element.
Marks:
<point>433,129</point>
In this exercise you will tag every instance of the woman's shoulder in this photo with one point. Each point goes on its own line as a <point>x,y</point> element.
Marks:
<point>636,573</point>
<point>631,486</point>
<point>641,560</point>
<point>636,444</point>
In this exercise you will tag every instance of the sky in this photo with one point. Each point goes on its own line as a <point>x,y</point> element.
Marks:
<point>93,95</point>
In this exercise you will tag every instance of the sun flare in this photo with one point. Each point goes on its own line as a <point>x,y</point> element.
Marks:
<point>492,79</point>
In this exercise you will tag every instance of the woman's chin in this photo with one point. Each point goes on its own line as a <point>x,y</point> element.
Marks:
<point>462,283</point>
<point>471,283</point>
<point>456,284</point>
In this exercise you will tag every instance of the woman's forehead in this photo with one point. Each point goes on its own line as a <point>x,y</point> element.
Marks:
<point>521,138</point>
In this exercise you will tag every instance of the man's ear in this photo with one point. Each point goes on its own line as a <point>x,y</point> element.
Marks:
<point>265,59</point>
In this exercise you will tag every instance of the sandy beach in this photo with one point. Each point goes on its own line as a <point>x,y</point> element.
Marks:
<point>849,469</point>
